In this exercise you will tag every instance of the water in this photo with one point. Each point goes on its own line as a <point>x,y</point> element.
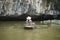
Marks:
<point>13,30</point>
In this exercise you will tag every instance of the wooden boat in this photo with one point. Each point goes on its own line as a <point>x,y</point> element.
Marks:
<point>29,26</point>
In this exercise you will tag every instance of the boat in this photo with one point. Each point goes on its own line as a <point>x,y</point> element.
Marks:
<point>29,25</point>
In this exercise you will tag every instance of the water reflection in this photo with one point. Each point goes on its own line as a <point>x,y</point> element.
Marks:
<point>13,30</point>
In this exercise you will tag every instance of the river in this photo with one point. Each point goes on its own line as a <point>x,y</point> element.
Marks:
<point>14,30</point>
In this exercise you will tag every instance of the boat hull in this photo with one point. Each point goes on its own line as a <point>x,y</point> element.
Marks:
<point>28,27</point>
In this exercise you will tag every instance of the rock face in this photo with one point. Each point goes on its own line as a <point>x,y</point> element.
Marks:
<point>22,6</point>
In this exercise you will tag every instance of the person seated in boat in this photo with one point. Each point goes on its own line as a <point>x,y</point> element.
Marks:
<point>29,21</point>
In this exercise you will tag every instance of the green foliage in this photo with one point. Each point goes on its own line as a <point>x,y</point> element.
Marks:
<point>57,4</point>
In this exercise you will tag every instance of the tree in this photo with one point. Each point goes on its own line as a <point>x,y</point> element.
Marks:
<point>57,4</point>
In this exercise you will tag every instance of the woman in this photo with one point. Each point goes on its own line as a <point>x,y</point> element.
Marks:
<point>28,23</point>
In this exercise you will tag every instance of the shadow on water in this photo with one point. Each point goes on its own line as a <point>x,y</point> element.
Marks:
<point>20,25</point>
